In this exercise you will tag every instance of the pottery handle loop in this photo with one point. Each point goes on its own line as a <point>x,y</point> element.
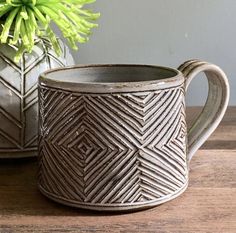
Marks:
<point>216,104</point>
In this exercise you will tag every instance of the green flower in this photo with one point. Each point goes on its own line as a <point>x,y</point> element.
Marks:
<point>28,19</point>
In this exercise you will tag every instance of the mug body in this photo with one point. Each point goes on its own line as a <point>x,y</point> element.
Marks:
<point>112,137</point>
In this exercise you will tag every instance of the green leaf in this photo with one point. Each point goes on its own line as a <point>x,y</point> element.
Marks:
<point>29,19</point>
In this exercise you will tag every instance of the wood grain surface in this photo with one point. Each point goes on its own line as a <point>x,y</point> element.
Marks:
<point>208,205</point>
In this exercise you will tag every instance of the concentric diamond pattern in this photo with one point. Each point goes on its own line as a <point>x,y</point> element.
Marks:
<point>112,148</point>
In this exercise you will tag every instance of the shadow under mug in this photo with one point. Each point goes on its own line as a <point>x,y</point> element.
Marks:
<point>114,137</point>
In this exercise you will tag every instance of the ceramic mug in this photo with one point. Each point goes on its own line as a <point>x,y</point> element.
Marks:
<point>114,137</point>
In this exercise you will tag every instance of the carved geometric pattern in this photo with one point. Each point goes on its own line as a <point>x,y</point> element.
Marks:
<point>111,149</point>
<point>19,95</point>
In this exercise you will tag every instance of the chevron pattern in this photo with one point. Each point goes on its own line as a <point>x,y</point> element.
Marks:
<point>19,96</point>
<point>112,149</point>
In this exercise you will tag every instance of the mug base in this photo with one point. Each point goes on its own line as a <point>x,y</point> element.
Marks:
<point>113,207</point>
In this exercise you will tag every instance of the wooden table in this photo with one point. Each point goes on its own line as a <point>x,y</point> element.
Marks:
<point>209,204</point>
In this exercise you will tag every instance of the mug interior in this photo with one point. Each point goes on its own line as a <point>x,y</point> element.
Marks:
<point>110,74</point>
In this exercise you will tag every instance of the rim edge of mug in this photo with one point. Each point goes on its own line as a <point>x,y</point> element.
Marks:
<point>111,87</point>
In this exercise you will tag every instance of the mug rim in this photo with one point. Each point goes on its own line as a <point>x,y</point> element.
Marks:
<point>111,87</point>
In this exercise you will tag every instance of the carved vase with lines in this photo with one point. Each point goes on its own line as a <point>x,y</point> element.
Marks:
<point>19,96</point>
<point>112,140</point>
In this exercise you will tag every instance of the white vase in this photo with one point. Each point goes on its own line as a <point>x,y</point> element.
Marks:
<point>19,96</point>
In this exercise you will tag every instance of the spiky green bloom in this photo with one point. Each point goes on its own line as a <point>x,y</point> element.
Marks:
<point>29,19</point>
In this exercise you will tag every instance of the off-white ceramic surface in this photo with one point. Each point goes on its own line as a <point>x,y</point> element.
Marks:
<point>110,140</point>
<point>19,96</point>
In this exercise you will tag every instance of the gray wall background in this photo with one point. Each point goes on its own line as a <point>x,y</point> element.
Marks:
<point>166,32</point>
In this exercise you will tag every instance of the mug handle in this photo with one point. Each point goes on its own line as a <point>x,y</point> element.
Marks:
<point>216,104</point>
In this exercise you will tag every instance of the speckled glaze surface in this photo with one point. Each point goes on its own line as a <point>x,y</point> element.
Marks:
<point>114,137</point>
